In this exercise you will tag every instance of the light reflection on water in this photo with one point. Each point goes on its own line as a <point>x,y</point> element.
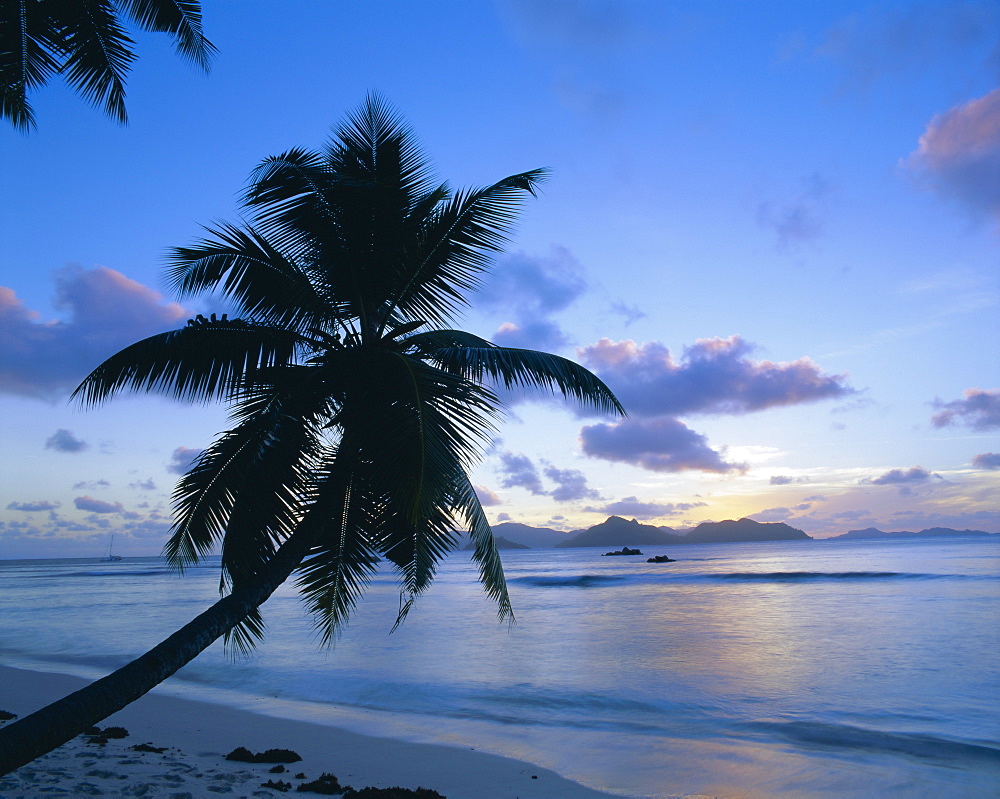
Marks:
<point>791,669</point>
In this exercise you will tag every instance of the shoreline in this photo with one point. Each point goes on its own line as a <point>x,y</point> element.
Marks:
<point>199,734</point>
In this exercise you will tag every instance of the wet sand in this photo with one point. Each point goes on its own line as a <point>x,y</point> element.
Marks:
<point>198,735</point>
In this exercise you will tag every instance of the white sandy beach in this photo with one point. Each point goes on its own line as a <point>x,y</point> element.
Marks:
<point>198,736</point>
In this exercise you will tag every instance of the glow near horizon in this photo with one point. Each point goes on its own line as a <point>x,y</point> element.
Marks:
<point>791,177</point>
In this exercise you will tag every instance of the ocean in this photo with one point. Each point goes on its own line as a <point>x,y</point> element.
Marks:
<point>777,669</point>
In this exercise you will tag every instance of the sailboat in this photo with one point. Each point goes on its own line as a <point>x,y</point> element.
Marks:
<point>109,556</point>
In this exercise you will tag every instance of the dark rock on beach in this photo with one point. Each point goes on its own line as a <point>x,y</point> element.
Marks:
<point>147,747</point>
<point>243,755</point>
<point>101,737</point>
<point>660,559</point>
<point>326,784</point>
<point>393,793</point>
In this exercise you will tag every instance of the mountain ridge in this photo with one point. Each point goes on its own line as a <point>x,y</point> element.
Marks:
<point>616,531</point>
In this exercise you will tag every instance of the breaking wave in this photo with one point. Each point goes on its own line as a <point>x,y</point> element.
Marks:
<point>842,736</point>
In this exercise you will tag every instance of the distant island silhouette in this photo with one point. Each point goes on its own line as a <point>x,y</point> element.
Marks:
<point>618,532</point>
<point>506,543</point>
<point>930,532</point>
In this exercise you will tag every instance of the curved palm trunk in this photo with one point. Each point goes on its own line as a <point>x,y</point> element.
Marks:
<point>52,726</point>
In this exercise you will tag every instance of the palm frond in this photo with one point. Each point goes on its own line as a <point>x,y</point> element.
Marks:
<point>426,428</point>
<point>203,499</point>
<point>486,554</point>
<point>288,196</point>
<point>511,367</point>
<point>26,59</point>
<point>335,573</point>
<point>98,53</point>
<point>426,343</point>
<point>242,639</point>
<point>182,18</point>
<point>280,467</point>
<point>456,245</point>
<point>85,40</point>
<point>416,547</point>
<point>205,360</point>
<point>375,146</point>
<point>382,174</point>
<point>244,266</point>
<point>248,487</point>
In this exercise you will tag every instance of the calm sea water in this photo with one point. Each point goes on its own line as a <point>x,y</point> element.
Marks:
<point>824,669</point>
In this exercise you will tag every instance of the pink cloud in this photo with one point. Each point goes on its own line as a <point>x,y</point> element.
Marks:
<point>714,376</point>
<point>658,445</point>
<point>980,410</point>
<point>104,312</point>
<point>959,154</point>
<point>541,334</point>
<point>487,497</point>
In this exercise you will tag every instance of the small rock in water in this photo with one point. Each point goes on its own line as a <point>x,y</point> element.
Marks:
<point>623,551</point>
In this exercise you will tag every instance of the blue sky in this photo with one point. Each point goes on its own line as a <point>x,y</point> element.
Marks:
<point>773,228</point>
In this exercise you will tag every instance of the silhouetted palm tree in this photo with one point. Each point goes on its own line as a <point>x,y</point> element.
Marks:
<point>356,413</point>
<point>84,40</point>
